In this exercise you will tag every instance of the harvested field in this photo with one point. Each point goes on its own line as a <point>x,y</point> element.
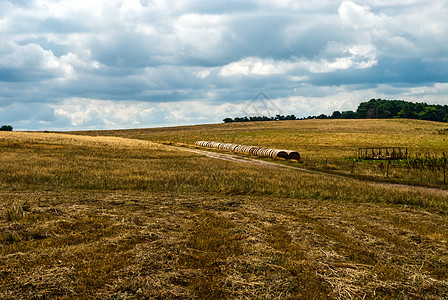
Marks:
<point>94,217</point>
<point>186,246</point>
<point>325,145</point>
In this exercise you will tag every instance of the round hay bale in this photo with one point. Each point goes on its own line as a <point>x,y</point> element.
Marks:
<point>293,155</point>
<point>280,154</point>
<point>264,152</point>
<point>233,147</point>
<point>253,150</point>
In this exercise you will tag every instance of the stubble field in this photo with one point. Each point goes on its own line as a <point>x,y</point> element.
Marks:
<point>326,145</point>
<point>126,218</point>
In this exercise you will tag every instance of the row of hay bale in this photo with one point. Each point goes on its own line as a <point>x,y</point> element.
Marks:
<point>252,150</point>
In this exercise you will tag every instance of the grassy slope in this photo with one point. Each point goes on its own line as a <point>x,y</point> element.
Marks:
<point>323,144</point>
<point>312,138</point>
<point>107,217</point>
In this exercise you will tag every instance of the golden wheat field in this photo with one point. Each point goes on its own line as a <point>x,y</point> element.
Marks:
<point>126,217</point>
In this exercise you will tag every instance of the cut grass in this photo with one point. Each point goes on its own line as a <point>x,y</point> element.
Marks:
<point>323,144</point>
<point>91,217</point>
<point>134,244</point>
<point>121,164</point>
<point>318,139</point>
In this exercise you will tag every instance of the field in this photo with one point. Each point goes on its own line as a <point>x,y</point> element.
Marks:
<point>326,145</point>
<point>117,214</point>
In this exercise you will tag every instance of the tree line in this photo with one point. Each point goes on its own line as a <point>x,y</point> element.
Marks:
<point>372,109</point>
<point>263,118</point>
<point>6,128</point>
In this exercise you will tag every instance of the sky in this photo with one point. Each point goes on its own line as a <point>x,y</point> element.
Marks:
<point>106,64</point>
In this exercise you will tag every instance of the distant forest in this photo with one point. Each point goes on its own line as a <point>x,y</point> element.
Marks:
<point>373,109</point>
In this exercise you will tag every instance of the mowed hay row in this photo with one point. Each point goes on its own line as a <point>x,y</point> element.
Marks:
<point>252,150</point>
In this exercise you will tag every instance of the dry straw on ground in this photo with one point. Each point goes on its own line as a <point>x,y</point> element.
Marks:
<point>93,217</point>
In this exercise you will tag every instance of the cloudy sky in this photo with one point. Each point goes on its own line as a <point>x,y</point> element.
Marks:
<point>79,64</point>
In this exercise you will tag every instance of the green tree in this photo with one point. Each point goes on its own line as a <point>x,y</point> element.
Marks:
<point>429,113</point>
<point>322,116</point>
<point>349,114</point>
<point>367,110</point>
<point>407,111</point>
<point>6,128</point>
<point>336,114</point>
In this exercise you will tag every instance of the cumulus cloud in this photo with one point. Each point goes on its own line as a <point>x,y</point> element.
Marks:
<point>357,16</point>
<point>256,66</point>
<point>136,63</point>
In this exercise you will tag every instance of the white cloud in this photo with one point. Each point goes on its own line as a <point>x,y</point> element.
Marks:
<point>198,36</point>
<point>256,66</point>
<point>91,113</point>
<point>87,112</point>
<point>408,29</point>
<point>345,57</point>
<point>31,57</point>
<point>357,16</point>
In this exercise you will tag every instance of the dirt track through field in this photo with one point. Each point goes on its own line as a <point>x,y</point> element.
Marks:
<point>231,157</point>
